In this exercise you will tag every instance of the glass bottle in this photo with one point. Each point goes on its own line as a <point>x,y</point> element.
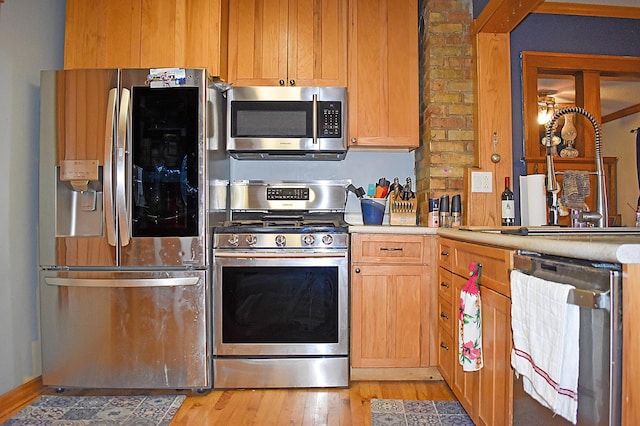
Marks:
<point>508,205</point>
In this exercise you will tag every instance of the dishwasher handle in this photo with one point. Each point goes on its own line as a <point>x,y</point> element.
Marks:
<point>555,269</point>
<point>590,299</point>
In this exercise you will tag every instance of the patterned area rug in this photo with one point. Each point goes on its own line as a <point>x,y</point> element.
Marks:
<point>397,412</point>
<point>99,410</point>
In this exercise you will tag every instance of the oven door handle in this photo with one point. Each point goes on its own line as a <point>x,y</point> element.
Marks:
<point>278,254</point>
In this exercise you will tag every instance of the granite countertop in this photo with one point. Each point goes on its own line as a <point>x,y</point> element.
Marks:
<point>602,248</point>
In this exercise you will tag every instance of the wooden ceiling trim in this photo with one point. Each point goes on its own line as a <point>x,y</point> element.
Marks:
<point>589,10</point>
<point>502,16</point>
<point>633,109</point>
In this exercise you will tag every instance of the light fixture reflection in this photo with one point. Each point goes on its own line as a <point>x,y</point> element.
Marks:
<point>546,107</point>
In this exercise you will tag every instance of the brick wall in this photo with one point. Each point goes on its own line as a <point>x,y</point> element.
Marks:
<point>446,92</point>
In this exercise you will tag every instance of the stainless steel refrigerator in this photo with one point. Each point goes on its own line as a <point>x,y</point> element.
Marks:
<point>125,157</point>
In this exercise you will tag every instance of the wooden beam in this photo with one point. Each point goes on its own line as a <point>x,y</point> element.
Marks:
<point>601,10</point>
<point>622,113</point>
<point>492,84</point>
<point>502,16</point>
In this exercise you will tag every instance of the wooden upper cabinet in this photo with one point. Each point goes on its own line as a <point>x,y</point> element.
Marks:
<point>147,34</point>
<point>102,34</point>
<point>383,74</point>
<point>184,33</point>
<point>288,42</point>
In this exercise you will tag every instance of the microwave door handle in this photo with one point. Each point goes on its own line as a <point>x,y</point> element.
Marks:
<point>107,173</point>
<point>121,196</point>
<point>315,119</point>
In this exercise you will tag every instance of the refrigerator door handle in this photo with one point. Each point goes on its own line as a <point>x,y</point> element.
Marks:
<point>120,283</point>
<point>121,150</point>
<point>110,223</point>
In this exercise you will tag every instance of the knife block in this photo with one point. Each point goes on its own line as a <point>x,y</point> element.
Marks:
<point>402,212</point>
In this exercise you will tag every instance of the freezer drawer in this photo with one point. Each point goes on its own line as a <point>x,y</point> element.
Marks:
<point>125,329</point>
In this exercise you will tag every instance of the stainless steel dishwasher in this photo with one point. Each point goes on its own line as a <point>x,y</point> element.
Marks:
<point>598,293</point>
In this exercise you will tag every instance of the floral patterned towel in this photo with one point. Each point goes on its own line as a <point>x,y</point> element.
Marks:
<point>470,322</point>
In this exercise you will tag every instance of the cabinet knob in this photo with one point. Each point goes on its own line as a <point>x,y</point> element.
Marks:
<point>444,284</point>
<point>357,270</point>
<point>444,253</point>
<point>292,82</point>
<point>353,141</point>
<point>281,82</point>
<point>444,316</point>
<point>444,346</point>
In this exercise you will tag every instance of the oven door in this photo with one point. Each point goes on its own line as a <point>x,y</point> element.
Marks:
<point>270,305</point>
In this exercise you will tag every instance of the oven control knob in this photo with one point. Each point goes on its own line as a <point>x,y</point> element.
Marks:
<point>251,239</point>
<point>233,239</point>
<point>327,239</point>
<point>281,240</point>
<point>308,240</point>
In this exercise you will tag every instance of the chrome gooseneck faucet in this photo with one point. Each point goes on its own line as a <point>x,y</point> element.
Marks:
<point>602,218</point>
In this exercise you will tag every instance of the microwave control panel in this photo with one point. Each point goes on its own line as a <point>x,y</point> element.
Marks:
<point>330,119</point>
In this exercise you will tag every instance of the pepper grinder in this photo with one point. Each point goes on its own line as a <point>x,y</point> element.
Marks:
<point>445,219</point>
<point>456,210</point>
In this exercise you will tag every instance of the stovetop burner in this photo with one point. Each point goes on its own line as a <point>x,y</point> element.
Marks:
<point>269,223</point>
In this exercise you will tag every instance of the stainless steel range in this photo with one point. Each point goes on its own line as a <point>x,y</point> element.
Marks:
<point>281,287</point>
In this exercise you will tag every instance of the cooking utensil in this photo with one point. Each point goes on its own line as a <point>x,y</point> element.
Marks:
<point>382,188</point>
<point>495,157</point>
<point>358,191</point>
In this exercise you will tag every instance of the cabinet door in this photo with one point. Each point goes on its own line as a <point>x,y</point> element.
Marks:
<point>465,383</point>
<point>387,307</point>
<point>383,74</point>
<point>147,34</point>
<point>288,42</point>
<point>496,382</point>
<point>102,34</point>
<point>317,43</point>
<point>183,33</point>
<point>258,42</point>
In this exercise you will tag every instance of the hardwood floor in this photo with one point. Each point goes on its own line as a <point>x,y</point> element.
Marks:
<point>263,407</point>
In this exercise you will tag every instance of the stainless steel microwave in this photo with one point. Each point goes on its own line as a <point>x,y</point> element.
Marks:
<point>287,123</point>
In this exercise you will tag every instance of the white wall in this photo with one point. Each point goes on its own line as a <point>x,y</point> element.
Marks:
<point>618,141</point>
<point>31,39</point>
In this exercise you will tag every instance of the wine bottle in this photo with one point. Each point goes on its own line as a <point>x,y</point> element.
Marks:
<point>508,205</point>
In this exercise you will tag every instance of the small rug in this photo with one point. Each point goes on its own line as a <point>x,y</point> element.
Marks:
<point>61,410</point>
<point>397,412</point>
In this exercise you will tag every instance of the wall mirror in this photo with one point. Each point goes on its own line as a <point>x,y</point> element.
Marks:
<point>608,87</point>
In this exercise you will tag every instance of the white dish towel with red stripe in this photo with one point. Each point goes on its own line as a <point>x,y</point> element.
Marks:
<point>546,342</point>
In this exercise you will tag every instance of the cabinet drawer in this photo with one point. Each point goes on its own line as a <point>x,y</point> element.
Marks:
<point>389,249</point>
<point>446,355</point>
<point>445,284</point>
<point>495,265</point>
<point>445,254</point>
<point>446,317</point>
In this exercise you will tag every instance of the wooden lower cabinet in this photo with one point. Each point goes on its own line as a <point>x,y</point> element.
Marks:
<point>391,305</point>
<point>387,302</point>
<point>487,394</point>
<point>496,390</point>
